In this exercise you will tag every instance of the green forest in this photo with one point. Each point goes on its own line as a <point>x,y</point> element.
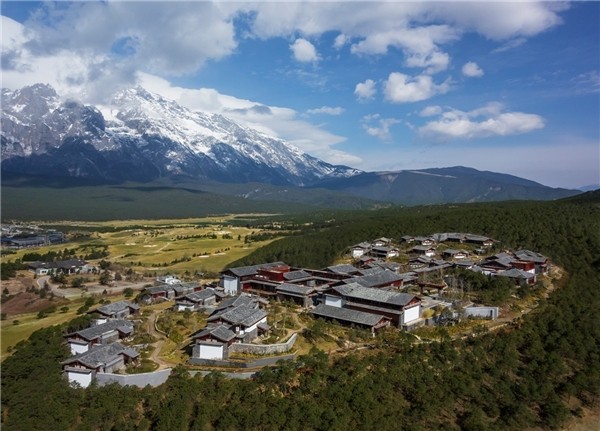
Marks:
<point>541,371</point>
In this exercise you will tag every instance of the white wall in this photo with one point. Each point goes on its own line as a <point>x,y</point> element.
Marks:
<point>482,312</point>
<point>83,379</point>
<point>182,307</point>
<point>253,327</point>
<point>357,252</point>
<point>230,284</point>
<point>333,301</point>
<point>210,352</point>
<point>411,314</point>
<point>78,348</point>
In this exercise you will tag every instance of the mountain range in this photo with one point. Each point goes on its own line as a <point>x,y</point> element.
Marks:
<point>143,137</point>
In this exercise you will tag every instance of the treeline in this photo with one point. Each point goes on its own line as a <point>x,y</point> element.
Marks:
<point>537,373</point>
<point>84,252</point>
<point>9,270</point>
<point>558,229</point>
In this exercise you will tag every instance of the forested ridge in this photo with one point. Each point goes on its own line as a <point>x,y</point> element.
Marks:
<point>537,373</point>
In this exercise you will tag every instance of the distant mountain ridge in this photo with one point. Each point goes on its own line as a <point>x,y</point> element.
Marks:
<point>443,185</point>
<point>143,137</point>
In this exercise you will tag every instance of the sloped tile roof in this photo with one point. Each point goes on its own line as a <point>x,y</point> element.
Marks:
<point>296,275</point>
<point>295,289</point>
<point>242,271</point>
<point>220,332</point>
<point>346,315</point>
<point>116,307</point>
<point>96,331</point>
<point>101,355</point>
<point>342,269</point>
<point>241,315</point>
<point>356,291</point>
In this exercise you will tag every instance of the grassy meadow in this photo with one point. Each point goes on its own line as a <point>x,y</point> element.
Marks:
<point>28,323</point>
<point>171,246</point>
<point>148,247</point>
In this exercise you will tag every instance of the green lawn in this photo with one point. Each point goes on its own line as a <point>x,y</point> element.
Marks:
<point>174,246</point>
<point>146,247</point>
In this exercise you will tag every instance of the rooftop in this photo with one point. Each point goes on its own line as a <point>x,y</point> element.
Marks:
<point>220,332</point>
<point>101,355</point>
<point>96,331</point>
<point>241,315</point>
<point>243,271</point>
<point>356,291</point>
<point>116,307</point>
<point>347,315</point>
<point>295,289</point>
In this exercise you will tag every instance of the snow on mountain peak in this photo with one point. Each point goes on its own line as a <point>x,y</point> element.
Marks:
<point>162,135</point>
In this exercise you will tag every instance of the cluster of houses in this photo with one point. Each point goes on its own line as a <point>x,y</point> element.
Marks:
<point>239,319</point>
<point>430,253</point>
<point>98,349</point>
<point>371,293</point>
<point>17,237</point>
<point>67,267</point>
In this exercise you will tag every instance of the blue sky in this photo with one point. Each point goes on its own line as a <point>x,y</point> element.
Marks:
<point>510,87</point>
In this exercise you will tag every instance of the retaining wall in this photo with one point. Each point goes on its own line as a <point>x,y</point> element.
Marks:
<point>257,363</point>
<point>263,349</point>
<point>154,379</point>
<point>482,312</point>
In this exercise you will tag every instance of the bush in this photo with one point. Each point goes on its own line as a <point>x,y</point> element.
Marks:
<point>82,309</point>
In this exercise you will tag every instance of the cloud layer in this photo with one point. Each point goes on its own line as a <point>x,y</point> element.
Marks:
<point>489,120</point>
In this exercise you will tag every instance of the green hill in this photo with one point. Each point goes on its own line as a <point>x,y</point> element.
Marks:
<point>537,373</point>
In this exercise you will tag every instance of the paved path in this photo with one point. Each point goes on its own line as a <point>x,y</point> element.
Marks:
<point>158,345</point>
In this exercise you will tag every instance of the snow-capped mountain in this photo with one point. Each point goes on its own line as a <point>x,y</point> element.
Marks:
<point>143,136</point>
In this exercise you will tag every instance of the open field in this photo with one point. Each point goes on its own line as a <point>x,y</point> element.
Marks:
<point>148,247</point>
<point>28,323</point>
<point>163,246</point>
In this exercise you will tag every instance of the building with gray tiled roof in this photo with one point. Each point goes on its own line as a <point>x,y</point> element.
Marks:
<point>344,268</point>
<point>378,278</point>
<point>196,300</point>
<point>116,310</point>
<point>304,296</point>
<point>105,333</point>
<point>401,308</point>
<point>219,333</point>
<point>232,279</point>
<point>540,261</point>
<point>107,358</point>
<point>299,274</point>
<point>519,276</point>
<point>70,266</point>
<point>348,316</point>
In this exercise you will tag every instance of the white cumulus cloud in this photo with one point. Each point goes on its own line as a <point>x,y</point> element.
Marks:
<point>378,127</point>
<point>472,70</point>
<point>304,51</point>
<point>489,120</point>
<point>365,90</point>
<point>401,88</point>
<point>328,110</point>
<point>340,40</point>
<point>430,111</point>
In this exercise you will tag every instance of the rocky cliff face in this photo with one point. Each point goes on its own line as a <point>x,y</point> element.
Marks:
<point>143,136</point>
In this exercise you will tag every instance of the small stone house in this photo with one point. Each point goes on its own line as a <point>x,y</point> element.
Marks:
<point>106,358</point>
<point>116,310</point>
<point>105,333</point>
